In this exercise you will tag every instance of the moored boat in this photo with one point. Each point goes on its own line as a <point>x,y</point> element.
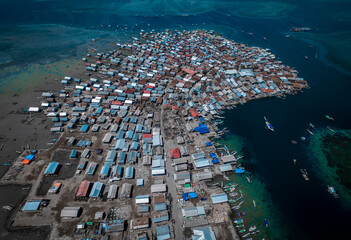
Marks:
<point>309,131</point>
<point>332,191</point>
<point>329,117</point>
<point>304,174</point>
<point>330,129</point>
<point>268,125</point>
<point>252,228</point>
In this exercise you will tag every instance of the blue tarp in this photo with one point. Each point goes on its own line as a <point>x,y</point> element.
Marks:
<point>215,161</point>
<point>192,195</point>
<point>185,196</point>
<point>30,157</point>
<point>202,129</point>
<point>209,144</point>
<point>239,170</point>
<point>213,155</point>
<point>74,153</point>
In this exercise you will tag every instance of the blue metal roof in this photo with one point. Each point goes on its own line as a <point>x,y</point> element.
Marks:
<point>120,144</point>
<point>144,208</point>
<point>135,137</point>
<point>96,190</point>
<point>140,182</point>
<point>52,168</point>
<point>160,206</point>
<point>32,205</point>
<point>120,134</point>
<point>139,128</point>
<point>142,197</point>
<point>129,172</point>
<point>111,156</point>
<point>84,128</point>
<point>134,146</point>
<point>203,233</point>
<point>122,158</point>
<point>105,170</point>
<point>163,232</point>
<point>160,218</point>
<point>134,119</point>
<point>202,163</point>
<point>129,134</point>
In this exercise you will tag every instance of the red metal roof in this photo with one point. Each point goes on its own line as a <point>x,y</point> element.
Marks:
<point>175,153</point>
<point>83,189</point>
<point>116,103</point>
<point>193,113</point>
<point>147,135</point>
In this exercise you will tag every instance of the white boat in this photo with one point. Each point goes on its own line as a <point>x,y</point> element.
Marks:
<point>7,207</point>
<point>252,228</point>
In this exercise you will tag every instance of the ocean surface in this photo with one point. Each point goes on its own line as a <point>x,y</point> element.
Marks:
<point>34,33</point>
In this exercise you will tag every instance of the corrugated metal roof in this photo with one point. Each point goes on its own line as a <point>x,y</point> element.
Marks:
<point>83,189</point>
<point>129,172</point>
<point>96,190</point>
<point>52,168</point>
<point>219,198</point>
<point>225,168</point>
<point>70,212</point>
<point>160,206</point>
<point>163,232</point>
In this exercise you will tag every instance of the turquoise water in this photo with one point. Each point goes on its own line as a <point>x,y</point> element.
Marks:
<point>37,33</point>
<point>318,152</point>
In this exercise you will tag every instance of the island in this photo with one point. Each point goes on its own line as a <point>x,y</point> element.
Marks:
<point>135,153</point>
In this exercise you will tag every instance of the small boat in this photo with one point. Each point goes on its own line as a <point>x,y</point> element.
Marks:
<point>311,125</point>
<point>248,179</point>
<point>332,191</point>
<point>304,174</point>
<point>238,221</point>
<point>252,228</point>
<point>306,58</point>
<point>295,161</point>
<point>267,222</point>
<point>268,124</point>
<point>245,235</point>
<point>330,129</point>
<point>329,118</point>
<point>287,36</point>
<point>301,29</point>
<point>293,142</point>
<point>7,207</point>
<point>303,138</point>
<point>254,203</point>
<point>309,131</point>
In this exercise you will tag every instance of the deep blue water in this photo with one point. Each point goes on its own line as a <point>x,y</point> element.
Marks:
<point>69,25</point>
